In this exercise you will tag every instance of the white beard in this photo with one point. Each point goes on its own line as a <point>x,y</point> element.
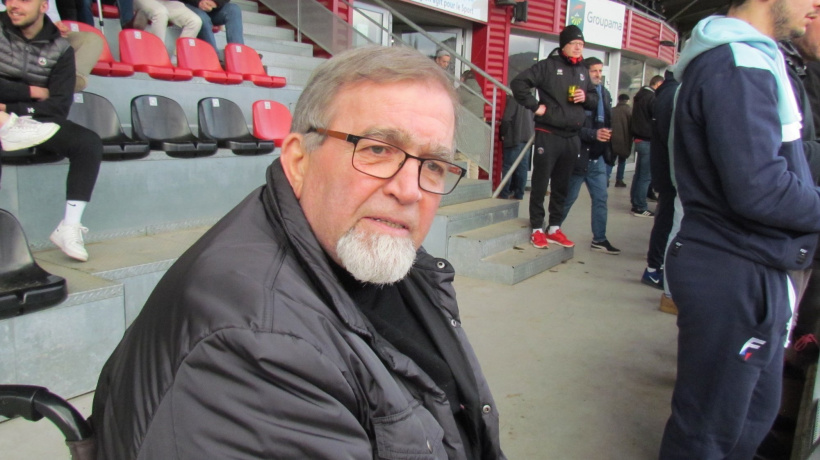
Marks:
<point>375,258</point>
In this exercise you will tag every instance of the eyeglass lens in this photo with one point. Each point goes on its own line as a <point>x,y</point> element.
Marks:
<point>384,160</point>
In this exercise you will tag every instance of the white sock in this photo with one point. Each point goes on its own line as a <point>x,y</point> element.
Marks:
<point>537,230</point>
<point>74,212</point>
<point>552,229</point>
<point>651,270</point>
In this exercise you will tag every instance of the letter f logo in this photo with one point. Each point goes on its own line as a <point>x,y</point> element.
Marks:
<point>751,344</point>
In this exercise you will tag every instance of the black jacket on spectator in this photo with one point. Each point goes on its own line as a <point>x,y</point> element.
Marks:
<point>591,147</point>
<point>517,125</point>
<point>659,145</point>
<point>797,75</point>
<point>642,113</point>
<point>552,78</point>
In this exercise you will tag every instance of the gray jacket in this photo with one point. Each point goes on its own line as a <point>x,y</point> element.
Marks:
<point>250,348</point>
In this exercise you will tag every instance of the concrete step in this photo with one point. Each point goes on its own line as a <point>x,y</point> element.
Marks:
<point>275,44</point>
<point>266,32</point>
<point>294,77</point>
<point>462,217</point>
<point>474,245</point>
<point>247,5</point>
<point>516,264</point>
<point>249,17</point>
<point>292,60</point>
<point>64,347</point>
<point>468,190</point>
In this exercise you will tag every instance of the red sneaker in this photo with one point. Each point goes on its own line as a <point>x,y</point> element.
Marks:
<point>539,239</point>
<point>560,239</point>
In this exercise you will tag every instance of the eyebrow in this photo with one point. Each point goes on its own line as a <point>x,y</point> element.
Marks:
<point>402,140</point>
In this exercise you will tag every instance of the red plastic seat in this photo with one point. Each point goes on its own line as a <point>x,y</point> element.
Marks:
<point>147,53</point>
<point>106,66</point>
<point>245,60</point>
<point>271,121</point>
<point>109,11</point>
<point>200,58</point>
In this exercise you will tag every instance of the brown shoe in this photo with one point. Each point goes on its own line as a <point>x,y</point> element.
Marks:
<point>667,305</point>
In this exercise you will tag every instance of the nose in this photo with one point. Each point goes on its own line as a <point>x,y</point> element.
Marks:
<point>405,184</point>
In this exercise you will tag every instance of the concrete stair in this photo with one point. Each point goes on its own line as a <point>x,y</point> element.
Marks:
<point>484,238</point>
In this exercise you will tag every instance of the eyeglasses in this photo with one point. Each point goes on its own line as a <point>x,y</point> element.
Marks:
<point>382,160</point>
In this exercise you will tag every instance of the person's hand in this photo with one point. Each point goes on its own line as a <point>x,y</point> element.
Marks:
<point>603,134</point>
<point>37,93</point>
<point>207,5</point>
<point>542,109</point>
<point>64,30</point>
<point>580,96</point>
<point>2,107</point>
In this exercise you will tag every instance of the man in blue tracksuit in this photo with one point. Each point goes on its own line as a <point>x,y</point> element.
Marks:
<point>751,213</point>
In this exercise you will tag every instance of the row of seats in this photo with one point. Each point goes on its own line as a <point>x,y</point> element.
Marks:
<point>142,51</point>
<point>159,123</point>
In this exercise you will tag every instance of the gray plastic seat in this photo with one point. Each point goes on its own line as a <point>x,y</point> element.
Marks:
<point>222,120</point>
<point>24,286</point>
<point>162,122</point>
<point>98,114</point>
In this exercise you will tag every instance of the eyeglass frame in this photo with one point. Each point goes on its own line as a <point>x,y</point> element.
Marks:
<point>354,139</point>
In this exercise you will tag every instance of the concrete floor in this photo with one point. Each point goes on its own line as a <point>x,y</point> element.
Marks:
<point>579,358</point>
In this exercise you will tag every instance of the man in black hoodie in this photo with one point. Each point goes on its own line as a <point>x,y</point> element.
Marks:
<point>564,91</point>
<point>642,134</point>
<point>37,77</point>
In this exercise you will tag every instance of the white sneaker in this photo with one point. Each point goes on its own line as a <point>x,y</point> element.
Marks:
<point>69,238</point>
<point>23,132</point>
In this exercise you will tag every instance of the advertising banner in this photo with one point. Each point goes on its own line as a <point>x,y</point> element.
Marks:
<point>473,9</point>
<point>602,21</point>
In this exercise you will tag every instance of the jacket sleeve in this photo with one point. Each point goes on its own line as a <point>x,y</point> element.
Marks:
<point>60,89</point>
<point>812,151</point>
<point>591,101</point>
<point>507,118</point>
<point>744,140</point>
<point>522,87</point>
<point>251,394</point>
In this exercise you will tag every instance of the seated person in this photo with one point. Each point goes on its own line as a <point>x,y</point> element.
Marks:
<point>153,16</point>
<point>219,13</point>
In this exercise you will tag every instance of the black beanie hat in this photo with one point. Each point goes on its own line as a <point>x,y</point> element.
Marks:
<point>569,34</point>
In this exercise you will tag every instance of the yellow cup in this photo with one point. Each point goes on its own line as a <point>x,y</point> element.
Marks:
<point>571,93</point>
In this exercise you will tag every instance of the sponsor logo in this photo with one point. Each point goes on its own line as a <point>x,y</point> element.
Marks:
<point>751,344</point>
<point>560,72</point>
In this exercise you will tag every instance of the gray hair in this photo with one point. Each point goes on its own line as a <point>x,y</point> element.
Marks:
<point>441,53</point>
<point>373,64</point>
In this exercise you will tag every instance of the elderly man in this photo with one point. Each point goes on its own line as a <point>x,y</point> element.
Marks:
<point>751,213</point>
<point>443,59</point>
<point>308,322</point>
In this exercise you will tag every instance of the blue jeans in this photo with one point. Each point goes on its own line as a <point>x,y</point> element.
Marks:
<point>619,173</point>
<point>642,177</point>
<point>518,181</point>
<point>595,179</point>
<point>229,15</point>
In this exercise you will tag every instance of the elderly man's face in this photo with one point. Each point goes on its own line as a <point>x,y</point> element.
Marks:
<point>443,61</point>
<point>337,199</point>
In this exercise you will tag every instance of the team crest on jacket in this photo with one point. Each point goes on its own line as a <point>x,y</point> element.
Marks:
<point>560,72</point>
<point>42,61</point>
<point>582,77</point>
<point>539,150</point>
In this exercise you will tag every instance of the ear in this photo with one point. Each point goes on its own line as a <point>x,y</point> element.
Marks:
<point>295,161</point>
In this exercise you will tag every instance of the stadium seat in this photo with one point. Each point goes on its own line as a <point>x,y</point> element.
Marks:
<point>271,121</point>
<point>109,11</point>
<point>24,286</point>
<point>162,122</point>
<point>245,60</point>
<point>200,58</point>
<point>106,65</point>
<point>147,53</point>
<point>222,120</point>
<point>97,114</point>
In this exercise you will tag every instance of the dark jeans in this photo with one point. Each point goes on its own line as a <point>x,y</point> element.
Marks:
<point>228,15</point>
<point>518,181</point>
<point>552,165</point>
<point>642,177</point>
<point>664,216</point>
<point>83,148</point>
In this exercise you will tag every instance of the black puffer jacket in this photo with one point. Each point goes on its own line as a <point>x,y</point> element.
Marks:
<point>552,78</point>
<point>249,348</point>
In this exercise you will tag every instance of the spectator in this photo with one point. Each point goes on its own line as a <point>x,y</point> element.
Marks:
<point>751,213</point>
<point>220,13</point>
<point>642,133</point>
<point>517,127</point>
<point>308,322</point>
<point>17,133</point>
<point>621,140</point>
<point>564,91</point>
<point>443,59</point>
<point>474,104</point>
<point>153,16</point>
<point>590,167</point>
<point>37,78</point>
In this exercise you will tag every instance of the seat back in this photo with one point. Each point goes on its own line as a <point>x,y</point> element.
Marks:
<point>158,118</point>
<point>75,26</point>
<point>24,286</point>
<point>95,113</point>
<point>221,119</point>
<point>196,54</point>
<point>140,48</point>
<point>271,121</point>
<point>109,11</point>
<point>243,59</point>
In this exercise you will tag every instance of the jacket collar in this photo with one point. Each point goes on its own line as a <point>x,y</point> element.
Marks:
<point>49,31</point>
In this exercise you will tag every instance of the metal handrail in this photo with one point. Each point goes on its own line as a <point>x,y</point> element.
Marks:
<point>514,166</point>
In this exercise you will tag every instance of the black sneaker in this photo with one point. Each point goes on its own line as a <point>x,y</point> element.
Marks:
<point>605,247</point>
<point>654,279</point>
<point>644,213</point>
